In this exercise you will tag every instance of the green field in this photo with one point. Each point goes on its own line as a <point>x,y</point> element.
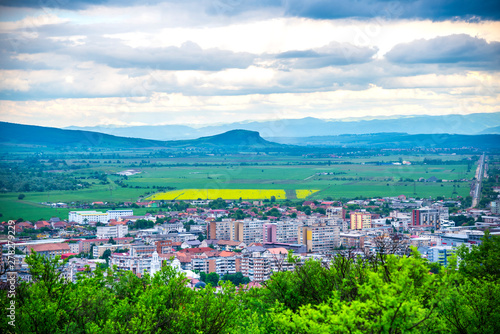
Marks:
<point>344,178</point>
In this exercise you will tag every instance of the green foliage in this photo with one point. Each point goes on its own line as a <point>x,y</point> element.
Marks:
<point>142,224</point>
<point>349,294</point>
<point>219,203</point>
<point>481,262</point>
<point>236,279</point>
<point>462,220</point>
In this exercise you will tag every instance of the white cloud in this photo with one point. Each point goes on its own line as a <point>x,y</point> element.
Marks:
<point>171,63</point>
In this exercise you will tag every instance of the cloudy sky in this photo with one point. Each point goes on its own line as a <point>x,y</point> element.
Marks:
<point>126,62</point>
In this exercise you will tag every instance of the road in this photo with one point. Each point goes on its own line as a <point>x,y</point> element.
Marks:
<point>476,185</point>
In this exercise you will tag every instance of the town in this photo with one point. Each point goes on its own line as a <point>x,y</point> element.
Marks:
<point>212,241</point>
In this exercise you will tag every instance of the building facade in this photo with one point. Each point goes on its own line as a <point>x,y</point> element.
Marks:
<point>361,220</point>
<point>320,237</point>
<point>116,231</point>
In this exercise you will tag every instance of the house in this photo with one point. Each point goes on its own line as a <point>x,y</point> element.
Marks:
<point>41,224</point>
<point>24,225</point>
<point>197,250</point>
<point>190,244</point>
<point>176,244</point>
<point>230,244</point>
<point>60,225</point>
<point>208,243</point>
<point>279,251</point>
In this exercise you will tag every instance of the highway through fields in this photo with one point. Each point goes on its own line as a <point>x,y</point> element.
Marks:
<point>476,185</point>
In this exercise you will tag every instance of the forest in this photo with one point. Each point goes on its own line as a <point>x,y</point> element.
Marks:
<point>381,293</point>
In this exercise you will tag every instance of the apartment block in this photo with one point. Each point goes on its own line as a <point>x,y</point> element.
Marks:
<point>98,251</point>
<point>360,220</point>
<point>335,212</point>
<point>320,237</point>
<point>249,230</point>
<point>269,233</point>
<point>116,231</point>
<point>164,246</point>
<point>84,217</point>
<point>440,254</point>
<point>224,230</point>
<point>429,217</point>
<point>256,267</point>
<point>286,232</point>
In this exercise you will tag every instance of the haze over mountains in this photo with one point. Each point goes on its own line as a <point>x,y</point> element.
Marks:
<point>234,141</point>
<point>481,123</point>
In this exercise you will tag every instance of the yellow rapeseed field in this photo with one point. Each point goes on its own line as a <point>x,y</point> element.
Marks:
<point>303,193</point>
<point>245,194</point>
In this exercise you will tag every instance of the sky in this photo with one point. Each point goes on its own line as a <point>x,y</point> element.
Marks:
<point>126,62</point>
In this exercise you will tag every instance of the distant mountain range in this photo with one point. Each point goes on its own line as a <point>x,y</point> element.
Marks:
<point>397,140</point>
<point>236,140</point>
<point>486,123</point>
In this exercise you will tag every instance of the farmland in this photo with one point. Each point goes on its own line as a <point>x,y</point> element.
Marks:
<point>249,177</point>
<point>245,194</point>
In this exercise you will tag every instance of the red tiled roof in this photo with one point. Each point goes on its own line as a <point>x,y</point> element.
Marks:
<point>66,255</point>
<point>278,250</point>
<point>49,247</point>
<point>196,250</point>
<point>226,253</point>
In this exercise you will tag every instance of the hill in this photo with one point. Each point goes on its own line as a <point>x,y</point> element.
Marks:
<point>493,130</point>
<point>398,140</point>
<point>19,134</point>
<point>11,133</point>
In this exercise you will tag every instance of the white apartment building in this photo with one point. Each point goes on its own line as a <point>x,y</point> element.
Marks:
<point>250,230</point>
<point>286,232</point>
<point>116,214</point>
<point>106,232</point>
<point>85,217</point>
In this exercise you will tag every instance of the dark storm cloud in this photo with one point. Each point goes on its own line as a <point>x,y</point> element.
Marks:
<point>315,9</point>
<point>418,9</point>
<point>73,4</point>
<point>330,55</point>
<point>457,50</point>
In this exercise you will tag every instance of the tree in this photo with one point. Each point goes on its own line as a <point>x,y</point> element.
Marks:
<point>236,278</point>
<point>111,241</point>
<point>21,196</point>
<point>212,278</point>
<point>321,211</point>
<point>106,254</point>
<point>481,262</point>
<point>274,212</point>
